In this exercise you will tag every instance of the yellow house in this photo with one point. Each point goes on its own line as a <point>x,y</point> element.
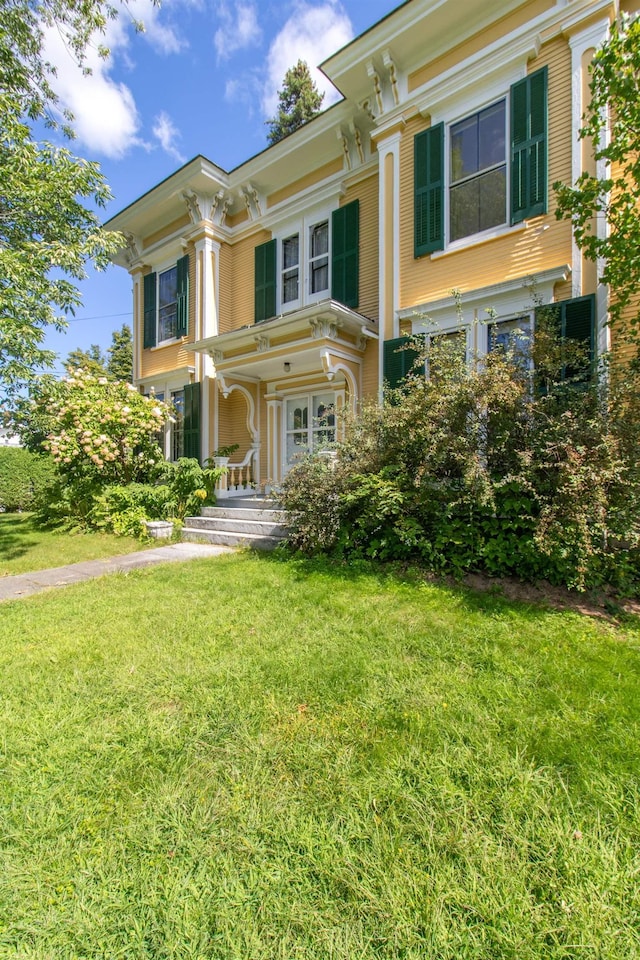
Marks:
<point>268,297</point>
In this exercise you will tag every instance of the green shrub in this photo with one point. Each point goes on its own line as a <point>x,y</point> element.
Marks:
<point>24,478</point>
<point>123,509</point>
<point>475,468</point>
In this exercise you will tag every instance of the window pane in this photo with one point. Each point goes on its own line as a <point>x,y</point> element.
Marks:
<point>290,286</point>
<point>491,137</point>
<point>297,414</point>
<point>320,239</point>
<point>177,428</point>
<point>464,148</point>
<point>290,252</point>
<point>493,198</point>
<point>478,204</point>
<point>320,275</point>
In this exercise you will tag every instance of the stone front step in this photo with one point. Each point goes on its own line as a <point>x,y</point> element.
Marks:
<point>248,523</point>
<point>269,527</point>
<point>243,513</point>
<point>255,541</point>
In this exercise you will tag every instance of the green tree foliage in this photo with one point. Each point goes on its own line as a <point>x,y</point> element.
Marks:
<point>47,234</point>
<point>24,478</point>
<point>299,101</point>
<point>92,360</point>
<point>612,124</point>
<point>120,362</point>
<point>116,365</point>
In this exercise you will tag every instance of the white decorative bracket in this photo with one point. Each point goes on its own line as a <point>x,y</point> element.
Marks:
<point>262,342</point>
<point>253,201</point>
<point>393,77</point>
<point>133,248</point>
<point>372,73</point>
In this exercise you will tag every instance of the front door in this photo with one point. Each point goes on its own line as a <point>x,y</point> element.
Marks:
<point>310,425</point>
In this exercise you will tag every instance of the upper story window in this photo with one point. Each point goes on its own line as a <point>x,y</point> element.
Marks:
<point>319,257</point>
<point>166,304</point>
<point>478,172</point>
<point>319,260</point>
<point>496,172</point>
<point>291,268</point>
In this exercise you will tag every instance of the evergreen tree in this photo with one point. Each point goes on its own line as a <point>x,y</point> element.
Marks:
<point>91,360</point>
<point>120,363</point>
<point>299,101</point>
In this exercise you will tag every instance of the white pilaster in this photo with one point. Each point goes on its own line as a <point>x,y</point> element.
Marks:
<point>388,242</point>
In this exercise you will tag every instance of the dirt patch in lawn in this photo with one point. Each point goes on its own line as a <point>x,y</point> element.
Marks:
<point>603,605</point>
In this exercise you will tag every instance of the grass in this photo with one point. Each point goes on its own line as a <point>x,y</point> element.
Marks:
<point>252,758</point>
<point>25,546</point>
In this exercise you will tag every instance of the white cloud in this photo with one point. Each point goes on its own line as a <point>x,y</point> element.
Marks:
<point>105,117</point>
<point>166,133</point>
<point>238,28</point>
<point>312,33</point>
<point>162,35</point>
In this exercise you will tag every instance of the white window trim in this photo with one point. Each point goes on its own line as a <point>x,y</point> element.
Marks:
<point>170,340</point>
<point>502,228</point>
<point>302,227</point>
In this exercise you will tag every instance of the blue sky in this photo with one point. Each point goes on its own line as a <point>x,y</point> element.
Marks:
<point>201,78</point>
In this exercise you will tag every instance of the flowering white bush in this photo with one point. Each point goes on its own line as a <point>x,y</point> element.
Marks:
<point>96,429</point>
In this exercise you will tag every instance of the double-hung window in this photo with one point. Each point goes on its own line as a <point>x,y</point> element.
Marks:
<point>478,172</point>
<point>483,171</point>
<point>291,269</point>
<point>300,267</point>
<point>166,304</point>
<point>319,257</point>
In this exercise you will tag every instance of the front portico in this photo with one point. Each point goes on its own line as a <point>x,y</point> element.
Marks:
<point>281,386</point>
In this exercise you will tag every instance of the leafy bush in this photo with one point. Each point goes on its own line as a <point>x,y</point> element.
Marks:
<point>481,467</point>
<point>122,509</point>
<point>24,478</point>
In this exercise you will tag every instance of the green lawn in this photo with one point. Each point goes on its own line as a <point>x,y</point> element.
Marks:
<point>25,546</point>
<point>248,758</point>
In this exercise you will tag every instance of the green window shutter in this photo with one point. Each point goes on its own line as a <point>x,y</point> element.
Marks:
<point>149,310</point>
<point>398,362</point>
<point>529,146</point>
<point>192,420</point>
<point>265,281</point>
<point>182,319</point>
<point>428,178</point>
<point>575,320</point>
<point>345,241</point>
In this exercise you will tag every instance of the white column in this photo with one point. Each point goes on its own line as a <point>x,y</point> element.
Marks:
<point>207,273</point>
<point>590,38</point>
<point>388,243</point>
<point>275,453</point>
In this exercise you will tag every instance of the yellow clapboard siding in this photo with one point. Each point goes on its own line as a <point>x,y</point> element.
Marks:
<point>480,41</point>
<point>242,280</point>
<point>225,288</point>
<point>543,244</point>
<point>232,425</point>
<point>297,186</point>
<point>366,191</point>
<point>170,228</point>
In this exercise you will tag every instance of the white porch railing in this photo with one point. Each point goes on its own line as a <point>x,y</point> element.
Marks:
<point>239,478</point>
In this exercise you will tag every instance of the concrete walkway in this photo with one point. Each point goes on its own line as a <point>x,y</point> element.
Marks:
<point>24,584</point>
